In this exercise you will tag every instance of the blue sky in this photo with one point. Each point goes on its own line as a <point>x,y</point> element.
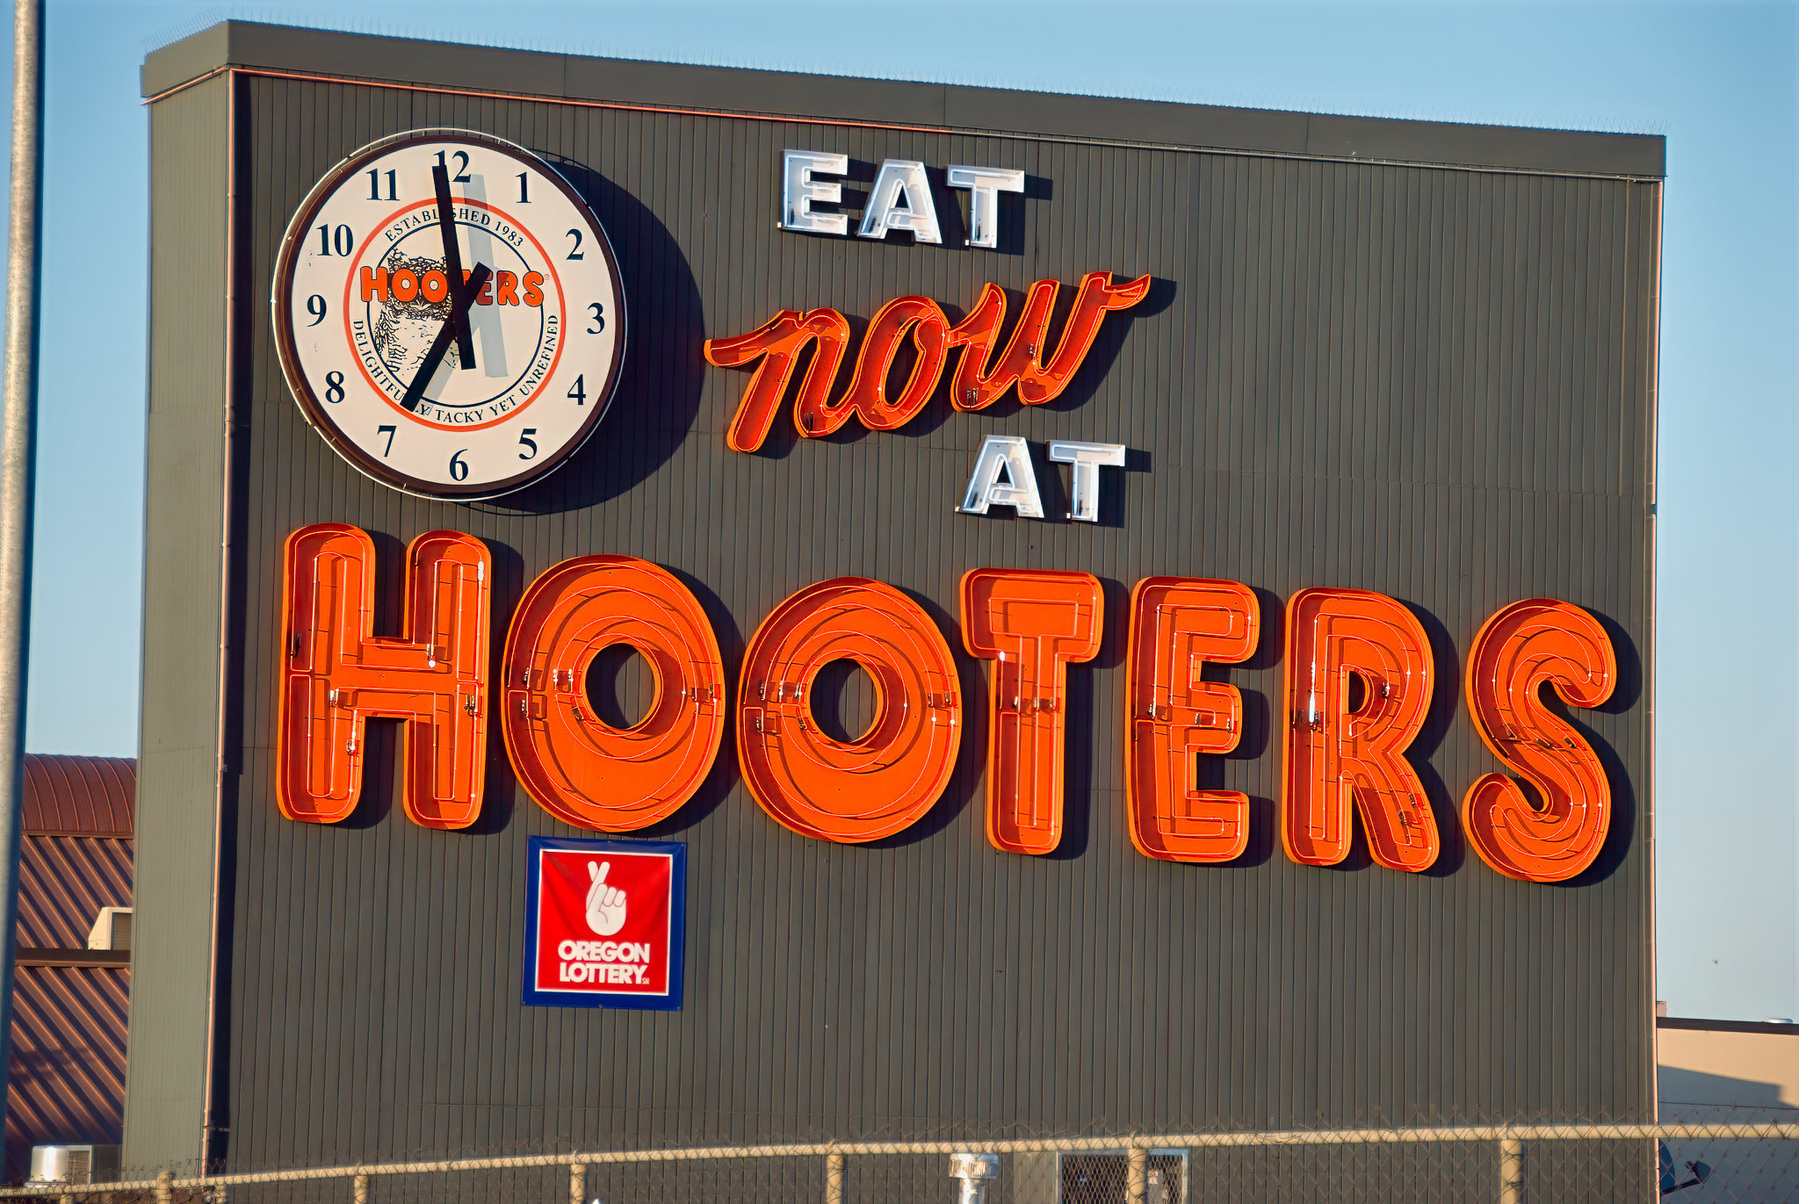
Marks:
<point>1717,79</point>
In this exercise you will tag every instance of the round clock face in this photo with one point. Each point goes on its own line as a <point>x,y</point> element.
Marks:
<point>449,314</point>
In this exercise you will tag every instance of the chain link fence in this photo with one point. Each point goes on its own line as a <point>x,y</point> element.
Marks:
<point>1525,1164</point>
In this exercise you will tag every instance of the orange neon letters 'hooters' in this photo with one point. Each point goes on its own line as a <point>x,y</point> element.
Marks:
<point>1339,756</point>
<point>884,780</point>
<point>1178,624</point>
<point>1030,623</point>
<point>578,767</point>
<point>338,674</point>
<point>1521,649</point>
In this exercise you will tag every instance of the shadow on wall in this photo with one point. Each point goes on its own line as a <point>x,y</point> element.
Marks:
<point>1699,1090</point>
<point>1746,1169</point>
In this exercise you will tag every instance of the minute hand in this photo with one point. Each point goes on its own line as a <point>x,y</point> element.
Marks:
<point>440,346</point>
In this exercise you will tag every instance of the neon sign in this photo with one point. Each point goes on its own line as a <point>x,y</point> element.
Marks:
<point>1358,685</point>
<point>982,376</point>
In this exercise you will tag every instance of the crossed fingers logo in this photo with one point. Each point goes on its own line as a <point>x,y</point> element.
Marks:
<point>605,904</point>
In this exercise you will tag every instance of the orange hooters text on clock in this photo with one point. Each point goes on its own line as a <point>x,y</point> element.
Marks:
<point>404,284</point>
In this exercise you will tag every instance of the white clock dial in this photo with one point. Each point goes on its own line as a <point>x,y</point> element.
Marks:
<point>370,324</point>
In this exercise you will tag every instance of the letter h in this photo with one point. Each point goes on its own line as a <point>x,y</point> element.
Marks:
<point>338,674</point>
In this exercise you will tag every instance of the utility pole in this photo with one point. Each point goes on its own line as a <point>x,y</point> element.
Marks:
<point>18,451</point>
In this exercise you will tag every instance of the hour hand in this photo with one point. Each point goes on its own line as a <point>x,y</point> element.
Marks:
<point>440,346</point>
<point>446,226</point>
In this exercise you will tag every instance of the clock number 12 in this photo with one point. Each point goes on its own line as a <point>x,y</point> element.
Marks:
<point>461,176</point>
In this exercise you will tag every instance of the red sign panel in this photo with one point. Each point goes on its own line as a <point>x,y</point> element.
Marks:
<point>604,923</point>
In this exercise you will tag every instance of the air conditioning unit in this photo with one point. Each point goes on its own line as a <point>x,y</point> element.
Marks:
<point>112,930</point>
<point>52,1164</point>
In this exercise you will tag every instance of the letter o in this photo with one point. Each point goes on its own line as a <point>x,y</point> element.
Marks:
<point>885,780</point>
<point>404,284</point>
<point>566,950</point>
<point>578,767</point>
<point>435,286</point>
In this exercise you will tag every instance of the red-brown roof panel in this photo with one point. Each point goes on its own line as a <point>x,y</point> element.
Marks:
<point>69,1021</point>
<point>64,881</point>
<point>79,796</point>
<point>67,1082</point>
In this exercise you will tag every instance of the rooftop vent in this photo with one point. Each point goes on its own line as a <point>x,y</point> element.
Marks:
<point>111,931</point>
<point>51,1164</point>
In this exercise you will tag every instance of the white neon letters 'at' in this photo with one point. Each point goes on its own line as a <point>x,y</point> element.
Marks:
<point>1087,459</point>
<point>901,200</point>
<point>1008,456</point>
<point>799,191</point>
<point>984,185</point>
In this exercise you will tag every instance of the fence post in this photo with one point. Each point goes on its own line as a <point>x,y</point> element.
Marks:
<point>577,1183</point>
<point>359,1189</point>
<point>833,1179</point>
<point>1137,1175</point>
<point>1511,1171</point>
<point>165,1187</point>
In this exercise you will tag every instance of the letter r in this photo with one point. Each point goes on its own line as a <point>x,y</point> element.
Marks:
<point>1345,755</point>
<point>337,674</point>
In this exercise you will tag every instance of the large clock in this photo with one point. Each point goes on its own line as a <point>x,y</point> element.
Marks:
<point>449,313</point>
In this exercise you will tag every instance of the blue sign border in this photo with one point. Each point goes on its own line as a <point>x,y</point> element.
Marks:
<point>677,917</point>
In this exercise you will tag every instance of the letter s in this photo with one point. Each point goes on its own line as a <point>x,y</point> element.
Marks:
<point>534,289</point>
<point>1518,650</point>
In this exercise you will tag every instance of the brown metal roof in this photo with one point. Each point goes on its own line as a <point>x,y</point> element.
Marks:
<point>79,796</point>
<point>68,1059</point>
<point>69,1021</point>
<point>64,881</point>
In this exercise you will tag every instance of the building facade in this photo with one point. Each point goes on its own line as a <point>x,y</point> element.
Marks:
<point>1331,396</point>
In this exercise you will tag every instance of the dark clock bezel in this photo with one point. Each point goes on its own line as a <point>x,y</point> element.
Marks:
<point>287,350</point>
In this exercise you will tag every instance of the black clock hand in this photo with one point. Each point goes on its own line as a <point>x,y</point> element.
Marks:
<point>446,225</point>
<point>440,346</point>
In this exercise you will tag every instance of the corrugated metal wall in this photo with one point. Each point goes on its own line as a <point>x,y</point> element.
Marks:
<point>1433,383</point>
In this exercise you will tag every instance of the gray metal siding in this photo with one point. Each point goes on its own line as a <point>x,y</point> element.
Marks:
<point>1434,383</point>
<point>177,771</point>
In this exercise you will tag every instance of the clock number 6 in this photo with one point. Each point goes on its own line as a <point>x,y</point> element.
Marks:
<point>599,317</point>
<point>525,440</point>
<point>458,469</point>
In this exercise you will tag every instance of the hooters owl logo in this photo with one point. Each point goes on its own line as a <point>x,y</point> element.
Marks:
<point>398,299</point>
